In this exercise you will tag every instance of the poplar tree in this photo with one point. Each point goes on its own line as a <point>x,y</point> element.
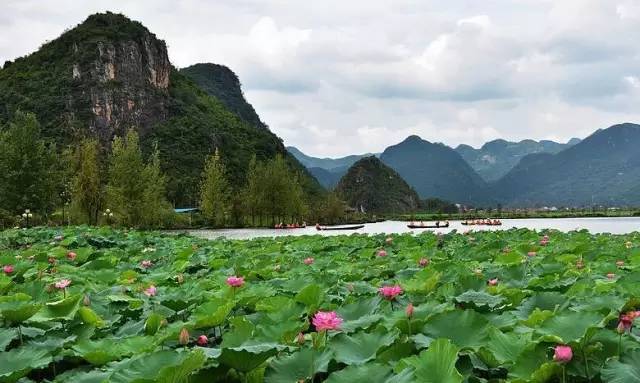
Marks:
<point>28,173</point>
<point>135,191</point>
<point>214,190</point>
<point>86,190</point>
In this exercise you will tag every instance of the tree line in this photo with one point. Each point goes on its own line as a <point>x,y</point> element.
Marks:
<point>88,184</point>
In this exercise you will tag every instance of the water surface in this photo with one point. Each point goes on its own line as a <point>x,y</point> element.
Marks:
<point>614,225</point>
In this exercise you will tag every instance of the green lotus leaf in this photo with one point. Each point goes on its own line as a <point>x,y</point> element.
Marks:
<point>506,347</point>
<point>153,323</point>
<point>466,328</point>
<point>371,373</point>
<point>480,298</point>
<point>16,363</point>
<point>90,317</point>
<point>212,313</point>
<point>623,370</point>
<point>438,363</point>
<point>162,366</point>
<point>361,347</point>
<point>300,365</point>
<point>64,309</point>
<point>7,335</point>
<point>311,296</point>
<point>569,326</point>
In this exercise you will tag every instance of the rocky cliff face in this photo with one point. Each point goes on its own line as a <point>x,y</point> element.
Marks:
<point>100,78</point>
<point>126,82</point>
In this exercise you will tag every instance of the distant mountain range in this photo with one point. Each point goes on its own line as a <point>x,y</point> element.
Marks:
<point>602,169</point>
<point>373,187</point>
<point>496,158</point>
<point>436,170</point>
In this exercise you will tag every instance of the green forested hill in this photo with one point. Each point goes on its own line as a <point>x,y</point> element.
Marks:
<point>495,158</point>
<point>602,169</point>
<point>436,171</point>
<point>109,74</point>
<point>374,187</point>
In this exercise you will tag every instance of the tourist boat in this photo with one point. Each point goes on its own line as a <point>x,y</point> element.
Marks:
<point>414,226</point>
<point>288,227</point>
<point>482,223</point>
<point>352,227</point>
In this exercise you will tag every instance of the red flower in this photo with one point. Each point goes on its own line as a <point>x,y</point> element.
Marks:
<point>203,340</point>
<point>563,354</point>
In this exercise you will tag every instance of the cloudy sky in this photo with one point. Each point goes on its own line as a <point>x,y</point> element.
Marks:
<point>341,77</point>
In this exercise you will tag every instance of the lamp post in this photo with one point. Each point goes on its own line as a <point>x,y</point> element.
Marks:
<point>65,196</point>
<point>108,215</point>
<point>27,215</point>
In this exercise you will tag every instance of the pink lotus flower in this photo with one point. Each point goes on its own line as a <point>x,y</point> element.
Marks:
<point>625,322</point>
<point>493,282</point>
<point>234,281</point>
<point>611,275</point>
<point>62,284</point>
<point>308,261</point>
<point>8,269</point>
<point>531,254</point>
<point>71,256</point>
<point>423,262</point>
<point>145,264</point>
<point>409,310</point>
<point>326,320</point>
<point>389,240</point>
<point>150,291</point>
<point>183,338</point>
<point>390,292</point>
<point>203,340</point>
<point>620,263</point>
<point>52,260</point>
<point>563,354</point>
<point>382,253</point>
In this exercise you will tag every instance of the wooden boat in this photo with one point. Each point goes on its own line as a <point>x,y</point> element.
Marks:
<point>480,224</point>
<point>289,227</point>
<point>428,226</point>
<point>325,228</point>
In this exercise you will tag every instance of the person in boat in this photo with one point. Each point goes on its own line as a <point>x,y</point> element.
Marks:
<point>421,223</point>
<point>318,226</point>
<point>437,223</point>
<point>446,223</point>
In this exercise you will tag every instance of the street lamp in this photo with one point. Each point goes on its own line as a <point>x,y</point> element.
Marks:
<point>27,215</point>
<point>108,215</point>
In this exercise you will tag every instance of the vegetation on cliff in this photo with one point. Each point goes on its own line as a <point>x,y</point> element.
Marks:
<point>373,187</point>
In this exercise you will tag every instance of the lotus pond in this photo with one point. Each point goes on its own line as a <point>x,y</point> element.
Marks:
<point>103,305</point>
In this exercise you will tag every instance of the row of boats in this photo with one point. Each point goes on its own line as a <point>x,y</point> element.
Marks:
<point>411,225</point>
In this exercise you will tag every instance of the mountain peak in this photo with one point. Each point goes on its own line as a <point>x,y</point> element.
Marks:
<point>222,83</point>
<point>374,187</point>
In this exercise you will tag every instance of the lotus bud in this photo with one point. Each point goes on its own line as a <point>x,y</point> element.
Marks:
<point>180,278</point>
<point>183,338</point>
<point>389,240</point>
<point>300,339</point>
<point>563,354</point>
<point>71,256</point>
<point>409,310</point>
<point>620,263</point>
<point>86,300</point>
<point>203,340</point>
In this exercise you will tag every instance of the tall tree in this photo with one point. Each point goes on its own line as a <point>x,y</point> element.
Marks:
<point>86,190</point>
<point>214,190</point>
<point>155,203</point>
<point>135,191</point>
<point>28,173</point>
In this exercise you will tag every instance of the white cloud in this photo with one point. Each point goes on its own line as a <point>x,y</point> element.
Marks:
<point>336,77</point>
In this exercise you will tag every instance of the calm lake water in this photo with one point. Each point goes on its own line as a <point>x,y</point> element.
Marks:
<point>618,225</point>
